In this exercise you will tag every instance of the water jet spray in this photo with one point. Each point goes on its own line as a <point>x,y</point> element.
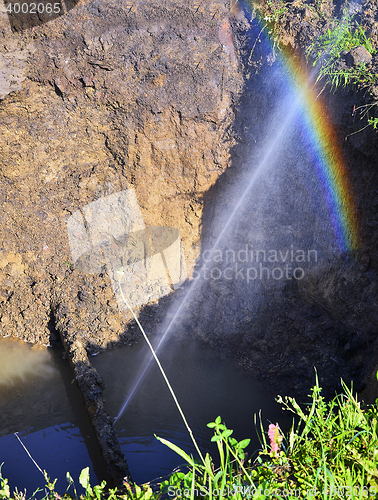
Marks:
<point>161,370</point>
<point>274,146</point>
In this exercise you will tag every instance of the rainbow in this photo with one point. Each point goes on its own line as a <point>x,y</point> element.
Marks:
<point>331,164</point>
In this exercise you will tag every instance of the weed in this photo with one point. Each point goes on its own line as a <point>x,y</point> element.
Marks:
<point>273,13</point>
<point>96,492</point>
<point>4,487</point>
<point>327,50</point>
<point>373,122</point>
<point>365,110</point>
<point>331,453</point>
<point>277,9</point>
<point>358,75</point>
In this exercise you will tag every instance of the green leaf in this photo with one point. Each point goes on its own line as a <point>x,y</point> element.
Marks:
<point>5,490</point>
<point>208,465</point>
<point>218,420</point>
<point>176,449</point>
<point>99,490</point>
<point>176,477</point>
<point>291,439</point>
<point>84,478</point>
<point>216,438</point>
<point>218,475</point>
<point>244,443</point>
<point>227,433</point>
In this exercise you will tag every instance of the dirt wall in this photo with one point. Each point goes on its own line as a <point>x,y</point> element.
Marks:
<point>113,96</point>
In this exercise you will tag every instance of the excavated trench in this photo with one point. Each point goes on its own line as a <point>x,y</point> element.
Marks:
<point>166,100</point>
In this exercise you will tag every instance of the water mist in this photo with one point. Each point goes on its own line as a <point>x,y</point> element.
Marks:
<point>256,182</point>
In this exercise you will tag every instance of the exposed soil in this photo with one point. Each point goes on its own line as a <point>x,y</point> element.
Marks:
<point>139,97</point>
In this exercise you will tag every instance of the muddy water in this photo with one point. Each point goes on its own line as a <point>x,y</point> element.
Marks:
<point>20,362</point>
<point>206,383</point>
<point>39,402</point>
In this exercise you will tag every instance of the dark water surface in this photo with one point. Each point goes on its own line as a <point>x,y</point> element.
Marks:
<point>206,383</point>
<point>39,401</point>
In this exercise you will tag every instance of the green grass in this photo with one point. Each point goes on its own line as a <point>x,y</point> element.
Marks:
<point>331,452</point>
<point>326,52</point>
<point>277,9</point>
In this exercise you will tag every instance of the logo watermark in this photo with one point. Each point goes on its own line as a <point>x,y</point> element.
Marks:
<point>26,14</point>
<point>111,232</point>
<point>249,264</point>
<point>250,491</point>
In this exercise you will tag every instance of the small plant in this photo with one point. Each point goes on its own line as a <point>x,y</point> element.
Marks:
<point>365,110</point>
<point>203,480</point>
<point>4,487</point>
<point>50,486</point>
<point>277,9</point>
<point>326,52</point>
<point>273,12</point>
<point>275,438</point>
<point>373,122</point>
<point>331,453</point>
<point>334,447</point>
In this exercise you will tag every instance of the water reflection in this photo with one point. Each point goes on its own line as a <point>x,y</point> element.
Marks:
<point>39,401</point>
<point>206,383</point>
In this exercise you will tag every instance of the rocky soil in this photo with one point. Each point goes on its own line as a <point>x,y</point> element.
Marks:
<point>112,97</point>
<point>154,96</point>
